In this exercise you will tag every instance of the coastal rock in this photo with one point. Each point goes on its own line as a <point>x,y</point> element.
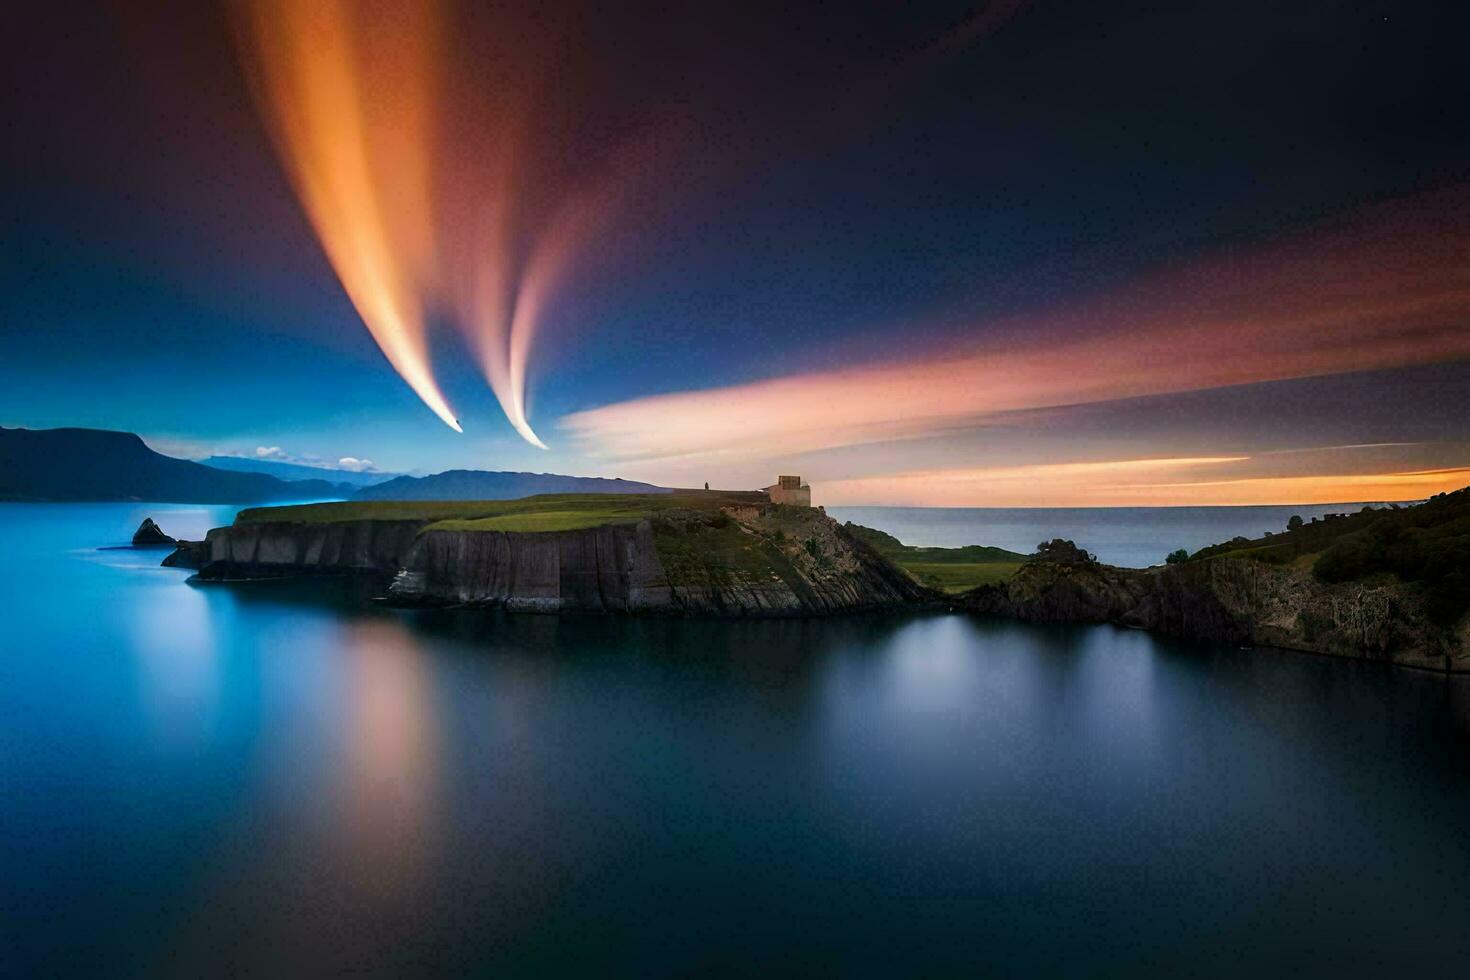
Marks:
<point>150,534</point>
<point>604,569</point>
<point>771,560</point>
<point>285,548</point>
<point>188,554</point>
<point>768,561</point>
<point>1239,601</point>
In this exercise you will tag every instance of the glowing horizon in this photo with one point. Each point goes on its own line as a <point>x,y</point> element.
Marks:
<point>1132,483</point>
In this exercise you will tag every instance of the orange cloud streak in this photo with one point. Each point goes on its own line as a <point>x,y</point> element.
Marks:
<point>347,101</point>
<point>430,174</point>
<point>450,162</point>
<point>1390,288</point>
<point>1327,489</point>
<point>1128,483</point>
<point>564,242</point>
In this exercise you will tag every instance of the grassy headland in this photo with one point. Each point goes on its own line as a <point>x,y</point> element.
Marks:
<point>548,512</point>
<point>951,570</point>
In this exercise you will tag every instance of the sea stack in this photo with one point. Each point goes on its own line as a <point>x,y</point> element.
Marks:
<point>150,534</point>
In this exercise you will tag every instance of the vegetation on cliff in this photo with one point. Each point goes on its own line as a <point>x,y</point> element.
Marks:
<point>1385,584</point>
<point>1427,544</point>
<point>776,557</point>
<point>687,552</point>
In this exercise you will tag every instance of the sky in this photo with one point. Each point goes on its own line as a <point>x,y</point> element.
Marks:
<point>951,254</point>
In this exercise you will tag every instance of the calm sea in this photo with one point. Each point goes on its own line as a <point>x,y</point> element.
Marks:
<point>1133,537</point>
<point>283,780</point>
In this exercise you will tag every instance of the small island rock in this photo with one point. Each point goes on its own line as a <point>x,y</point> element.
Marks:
<point>149,533</point>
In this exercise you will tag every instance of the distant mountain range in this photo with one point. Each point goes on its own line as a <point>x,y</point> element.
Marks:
<point>486,485</point>
<point>96,464</point>
<point>100,465</point>
<point>296,471</point>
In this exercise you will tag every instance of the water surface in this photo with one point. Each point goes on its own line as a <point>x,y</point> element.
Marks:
<point>1133,537</point>
<point>281,778</point>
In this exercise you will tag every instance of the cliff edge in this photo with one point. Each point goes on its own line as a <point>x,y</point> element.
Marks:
<point>740,560</point>
<point>1384,584</point>
<point>1238,600</point>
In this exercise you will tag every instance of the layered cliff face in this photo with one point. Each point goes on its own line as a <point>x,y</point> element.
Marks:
<point>763,560</point>
<point>268,549</point>
<point>602,569</point>
<point>1237,601</point>
<point>757,561</point>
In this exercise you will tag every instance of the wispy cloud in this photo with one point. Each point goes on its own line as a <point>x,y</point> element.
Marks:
<point>1136,483</point>
<point>1038,485</point>
<point>1389,287</point>
<point>1324,489</point>
<point>1333,449</point>
<point>278,454</point>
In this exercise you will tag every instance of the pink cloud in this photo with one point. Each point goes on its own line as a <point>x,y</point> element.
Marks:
<point>1388,286</point>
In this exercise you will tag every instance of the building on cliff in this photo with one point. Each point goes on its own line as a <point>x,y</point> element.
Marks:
<point>790,490</point>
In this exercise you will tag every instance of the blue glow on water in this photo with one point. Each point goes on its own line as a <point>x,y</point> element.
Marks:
<point>280,778</point>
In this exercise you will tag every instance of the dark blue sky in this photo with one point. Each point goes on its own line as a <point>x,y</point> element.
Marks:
<point>845,187</point>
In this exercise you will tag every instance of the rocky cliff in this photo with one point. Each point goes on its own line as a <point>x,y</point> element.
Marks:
<point>749,559</point>
<point>280,548</point>
<point>1237,600</point>
<point>759,561</point>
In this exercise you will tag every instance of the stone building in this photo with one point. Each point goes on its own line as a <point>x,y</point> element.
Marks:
<point>790,490</point>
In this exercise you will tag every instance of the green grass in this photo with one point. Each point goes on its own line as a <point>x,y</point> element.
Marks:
<point>715,555</point>
<point>547,512</point>
<point>960,576</point>
<point>549,520</point>
<point>945,569</point>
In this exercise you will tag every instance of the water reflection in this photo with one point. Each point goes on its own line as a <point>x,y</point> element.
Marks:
<point>390,771</point>
<point>174,643</point>
<point>282,778</point>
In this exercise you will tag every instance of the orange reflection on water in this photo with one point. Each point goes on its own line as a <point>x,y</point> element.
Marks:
<point>391,772</point>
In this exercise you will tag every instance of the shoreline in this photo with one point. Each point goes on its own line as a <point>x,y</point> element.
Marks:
<point>931,608</point>
<point>734,556</point>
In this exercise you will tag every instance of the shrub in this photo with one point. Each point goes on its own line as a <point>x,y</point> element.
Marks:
<point>1064,552</point>
<point>1177,557</point>
<point>1436,556</point>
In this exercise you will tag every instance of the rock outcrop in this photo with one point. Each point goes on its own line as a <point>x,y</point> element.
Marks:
<point>1236,600</point>
<point>613,568</point>
<point>768,561</point>
<point>188,554</point>
<point>149,534</point>
<point>280,548</point>
<point>754,560</point>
